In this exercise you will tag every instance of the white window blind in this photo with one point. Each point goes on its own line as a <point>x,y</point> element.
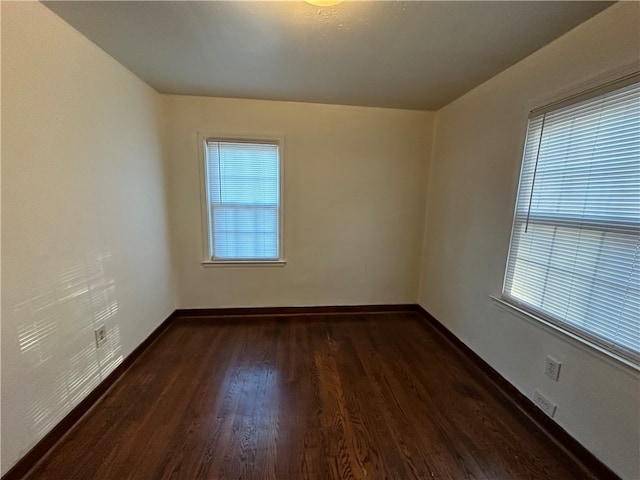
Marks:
<point>575,246</point>
<point>243,200</point>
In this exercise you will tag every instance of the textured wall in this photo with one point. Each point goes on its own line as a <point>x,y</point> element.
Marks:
<point>472,190</point>
<point>353,202</point>
<point>84,230</point>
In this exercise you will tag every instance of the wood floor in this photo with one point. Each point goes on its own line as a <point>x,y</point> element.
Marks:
<point>370,396</point>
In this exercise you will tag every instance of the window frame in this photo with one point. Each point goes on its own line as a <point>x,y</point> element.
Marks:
<point>207,256</point>
<point>611,81</point>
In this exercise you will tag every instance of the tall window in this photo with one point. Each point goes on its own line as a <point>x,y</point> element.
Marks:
<point>575,246</point>
<point>243,200</point>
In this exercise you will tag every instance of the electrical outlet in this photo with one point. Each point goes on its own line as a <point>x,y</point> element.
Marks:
<point>546,405</point>
<point>101,335</point>
<point>552,368</point>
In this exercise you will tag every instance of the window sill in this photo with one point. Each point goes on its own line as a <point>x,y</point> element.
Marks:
<point>610,357</point>
<point>244,263</point>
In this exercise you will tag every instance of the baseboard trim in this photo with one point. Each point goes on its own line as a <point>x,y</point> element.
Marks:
<point>516,400</point>
<point>46,444</point>
<point>524,405</point>
<point>281,311</point>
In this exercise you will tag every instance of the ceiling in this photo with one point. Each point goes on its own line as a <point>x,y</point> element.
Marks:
<point>400,54</point>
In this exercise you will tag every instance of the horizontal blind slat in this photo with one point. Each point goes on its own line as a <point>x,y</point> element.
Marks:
<point>243,184</point>
<point>575,245</point>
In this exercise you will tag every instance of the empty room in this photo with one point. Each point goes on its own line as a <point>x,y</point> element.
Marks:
<point>320,240</point>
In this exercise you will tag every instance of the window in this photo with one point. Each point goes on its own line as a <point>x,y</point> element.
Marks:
<point>574,258</point>
<point>242,185</point>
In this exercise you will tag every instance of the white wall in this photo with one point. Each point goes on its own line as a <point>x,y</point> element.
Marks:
<point>84,233</point>
<point>353,196</point>
<point>85,236</point>
<point>471,196</point>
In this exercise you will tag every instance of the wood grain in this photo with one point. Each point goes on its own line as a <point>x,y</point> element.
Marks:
<point>519,404</point>
<point>349,396</point>
<point>44,446</point>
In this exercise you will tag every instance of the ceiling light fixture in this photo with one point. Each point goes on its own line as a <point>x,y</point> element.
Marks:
<point>323,3</point>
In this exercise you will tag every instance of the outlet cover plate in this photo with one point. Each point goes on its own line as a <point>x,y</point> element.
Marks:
<point>101,336</point>
<point>552,368</point>
<point>546,405</point>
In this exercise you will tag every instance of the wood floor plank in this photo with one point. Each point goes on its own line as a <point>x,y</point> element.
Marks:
<point>334,396</point>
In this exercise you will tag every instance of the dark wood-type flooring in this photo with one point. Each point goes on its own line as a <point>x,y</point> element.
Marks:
<point>349,396</point>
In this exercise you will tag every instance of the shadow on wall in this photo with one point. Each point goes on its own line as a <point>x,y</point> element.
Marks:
<point>55,330</point>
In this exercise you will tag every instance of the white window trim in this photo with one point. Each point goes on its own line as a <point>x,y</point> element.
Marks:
<point>574,91</point>
<point>577,89</point>
<point>245,263</point>
<point>207,261</point>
